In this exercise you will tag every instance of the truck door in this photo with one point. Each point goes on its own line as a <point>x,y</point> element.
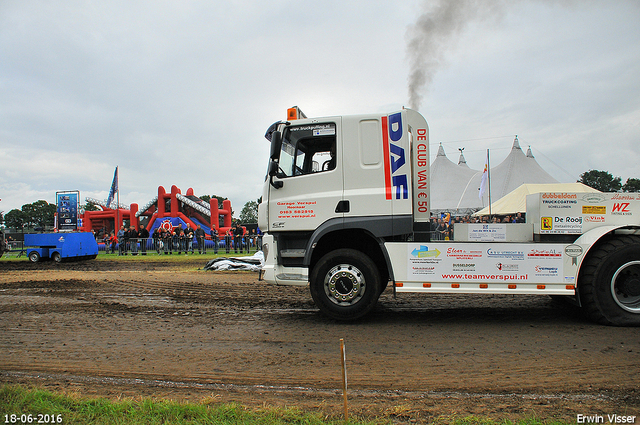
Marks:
<point>309,175</point>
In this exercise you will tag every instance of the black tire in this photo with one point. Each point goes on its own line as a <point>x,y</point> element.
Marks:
<point>609,282</point>
<point>345,284</point>
<point>34,257</point>
<point>56,257</point>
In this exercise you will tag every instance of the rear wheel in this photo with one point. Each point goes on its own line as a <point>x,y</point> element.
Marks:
<point>609,282</point>
<point>345,284</point>
<point>34,257</point>
<point>56,257</point>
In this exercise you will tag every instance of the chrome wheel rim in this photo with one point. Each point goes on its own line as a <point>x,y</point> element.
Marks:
<point>625,287</point>
<point>344,284</point>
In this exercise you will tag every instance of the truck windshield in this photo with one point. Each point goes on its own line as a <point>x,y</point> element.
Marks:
<point>308,149</point>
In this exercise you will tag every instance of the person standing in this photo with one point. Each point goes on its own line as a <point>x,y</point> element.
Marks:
<point>155,236</point>
<point>188,238</point>
<point>133,239</point>
<point>166,234</point>
<point>200,234</point>
<point>122,249</point>
<point>143,235</point>
<point>237,234</point>
<point>179,240</point>
<point>259,241</point>
<point>105,240</point>
<point>113,240</point>
<point>227,241</point>
<point>214,238</point>
<point>442,230</point>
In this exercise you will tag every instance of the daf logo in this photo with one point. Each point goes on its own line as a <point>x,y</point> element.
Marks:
<point>278,225</point>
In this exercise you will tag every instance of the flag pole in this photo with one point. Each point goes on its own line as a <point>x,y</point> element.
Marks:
<point>489,182</point>
<point>117,201</point>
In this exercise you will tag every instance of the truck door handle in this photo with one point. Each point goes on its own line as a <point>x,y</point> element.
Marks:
<point>343,207</point>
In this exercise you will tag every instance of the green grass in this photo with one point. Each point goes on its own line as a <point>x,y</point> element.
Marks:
<point>74,409</point>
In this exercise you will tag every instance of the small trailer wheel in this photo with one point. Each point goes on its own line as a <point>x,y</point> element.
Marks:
<point>34,257</point>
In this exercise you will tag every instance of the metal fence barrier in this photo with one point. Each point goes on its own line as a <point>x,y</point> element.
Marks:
<point>170,245</point>
<point>16,249</point>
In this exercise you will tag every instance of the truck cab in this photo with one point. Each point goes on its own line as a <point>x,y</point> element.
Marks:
<point>341,182</point>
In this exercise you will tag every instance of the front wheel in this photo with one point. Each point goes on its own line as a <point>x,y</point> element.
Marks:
<point>345,284</point>
<point>609,282</point>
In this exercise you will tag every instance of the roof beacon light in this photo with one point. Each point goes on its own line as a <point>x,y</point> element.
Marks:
<point>295,113</point>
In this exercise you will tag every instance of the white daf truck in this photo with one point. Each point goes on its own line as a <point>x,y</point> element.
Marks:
<point>346,210</point>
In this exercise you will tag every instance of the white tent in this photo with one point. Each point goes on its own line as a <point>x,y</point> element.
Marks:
<point>516,201</point>
<point>516,169</point>
<point>454,188</point>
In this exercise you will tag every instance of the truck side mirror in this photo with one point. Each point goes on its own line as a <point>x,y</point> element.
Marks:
<point>273,168</point>
<point>276,144</point>
<point>273,171</point>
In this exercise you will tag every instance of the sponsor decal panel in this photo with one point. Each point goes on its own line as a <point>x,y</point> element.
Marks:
<point>561,224</point>
<point>546,271</point>
<point>573,251</point>
<point>486,263</point>
<point>621,208</point>
<point>594,209</point>
<point>593,198</point>
<point>487,232</point>
<point>594,219</point>
<point>507,267</point>
<point>296,210</point>
<point>559,200</point>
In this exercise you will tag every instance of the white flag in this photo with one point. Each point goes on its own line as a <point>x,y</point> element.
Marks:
<point>485,177</point>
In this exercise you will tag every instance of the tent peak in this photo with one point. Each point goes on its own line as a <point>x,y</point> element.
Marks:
<point>529,153</point>
<point>441,151</point>
<point>462,160</point>
<point>516,143</point>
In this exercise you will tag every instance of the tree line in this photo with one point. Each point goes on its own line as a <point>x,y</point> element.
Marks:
<point>605,182</point>
<point>40,215</point>
<point>37,215</point>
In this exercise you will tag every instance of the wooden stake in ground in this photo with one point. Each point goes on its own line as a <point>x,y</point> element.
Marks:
<point>344,378</point>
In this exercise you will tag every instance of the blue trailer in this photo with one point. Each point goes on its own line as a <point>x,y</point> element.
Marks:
<point>61,246</point>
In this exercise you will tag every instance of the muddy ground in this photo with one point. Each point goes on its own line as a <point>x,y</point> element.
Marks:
<point>168,330</point>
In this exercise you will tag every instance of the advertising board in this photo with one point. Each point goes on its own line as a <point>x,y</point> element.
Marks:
<point>67,210</point>
<point>576,213</point>
<point>487,263</point>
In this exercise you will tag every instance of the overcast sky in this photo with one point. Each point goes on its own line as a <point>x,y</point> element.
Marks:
<point>181,92</point>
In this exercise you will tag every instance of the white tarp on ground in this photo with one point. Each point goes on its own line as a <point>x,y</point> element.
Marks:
<point>516,201</point>
<point>253,263</point>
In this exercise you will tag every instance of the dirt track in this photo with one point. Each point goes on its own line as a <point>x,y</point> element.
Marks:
<point>156,329</point>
